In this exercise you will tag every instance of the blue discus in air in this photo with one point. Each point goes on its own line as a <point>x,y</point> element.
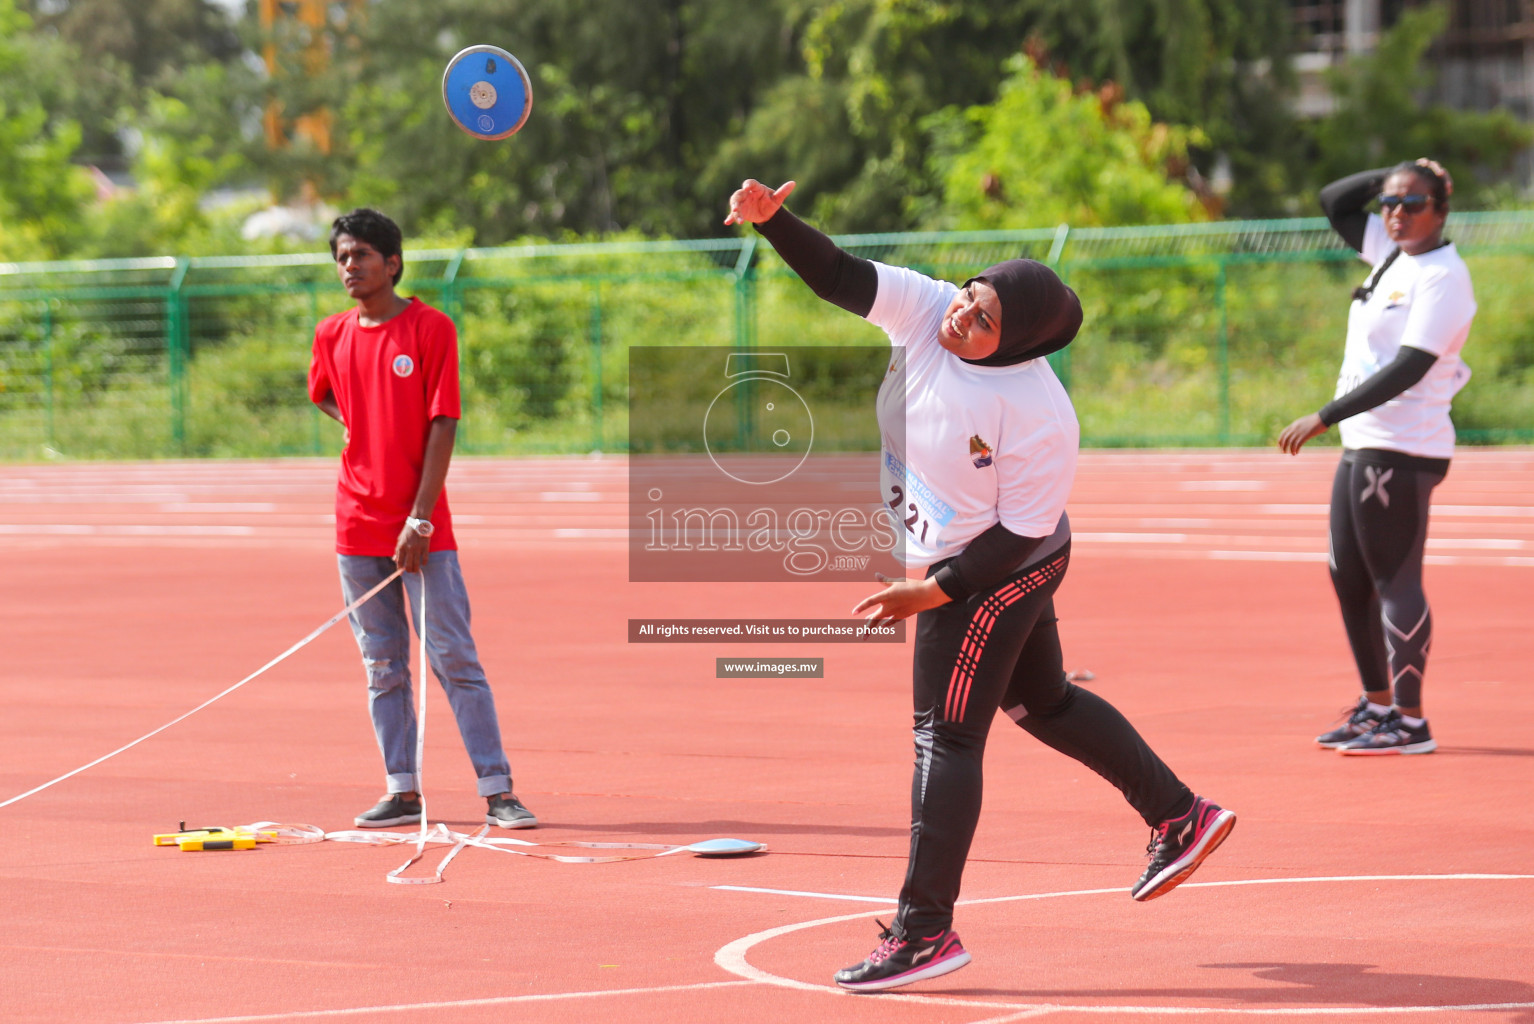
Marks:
<point>487,92</point>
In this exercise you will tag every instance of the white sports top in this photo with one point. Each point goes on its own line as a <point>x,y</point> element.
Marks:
<point>1423,301</point>
<point>964,446</point>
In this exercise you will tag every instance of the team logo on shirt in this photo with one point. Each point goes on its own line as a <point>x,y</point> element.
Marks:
<point>1394,299</point>
<point>979,452</point>
<point>403,366</point>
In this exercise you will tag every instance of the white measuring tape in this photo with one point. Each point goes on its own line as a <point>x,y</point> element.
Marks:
<point>420,759</point>
<point>296,835</point>
<point>293,834</point>
<point>441,834</point>
<point>337,617</point>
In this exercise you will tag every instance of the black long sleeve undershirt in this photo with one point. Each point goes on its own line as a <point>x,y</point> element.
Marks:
<point>852,283</point>
<point>832,273</point>
<point>1343,202</point>
<point>985,562</point>
<point>1408,367</point>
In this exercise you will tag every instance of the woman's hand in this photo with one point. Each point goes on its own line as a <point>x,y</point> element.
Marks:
<point>754,202</point>
<point>900,600</point>
<point>1301,430</point>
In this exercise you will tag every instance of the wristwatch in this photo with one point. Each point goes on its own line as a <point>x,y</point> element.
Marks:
<point>421,526</point>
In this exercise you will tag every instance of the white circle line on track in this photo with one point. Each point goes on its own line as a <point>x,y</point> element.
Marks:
<point>450,1004</point>
<point>732,957</point>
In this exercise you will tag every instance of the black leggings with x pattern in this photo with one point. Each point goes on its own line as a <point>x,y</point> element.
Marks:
<point>1377,533</point>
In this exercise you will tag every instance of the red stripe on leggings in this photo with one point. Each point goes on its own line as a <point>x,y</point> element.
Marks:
<point>979,631</point>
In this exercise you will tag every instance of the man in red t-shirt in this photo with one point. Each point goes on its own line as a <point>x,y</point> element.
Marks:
<point>387,370</point>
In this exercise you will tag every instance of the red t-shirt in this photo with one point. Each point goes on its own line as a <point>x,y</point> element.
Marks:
<point>389,381</point>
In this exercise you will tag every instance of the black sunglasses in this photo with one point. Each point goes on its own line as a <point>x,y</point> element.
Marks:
<point>1413,203</point>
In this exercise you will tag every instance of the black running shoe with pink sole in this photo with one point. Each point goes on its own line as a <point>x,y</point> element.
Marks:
<point>900,961</point>
<point>1177,847</point>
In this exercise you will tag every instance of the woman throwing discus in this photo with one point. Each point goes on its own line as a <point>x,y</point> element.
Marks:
<point>1400,370</point>
<point>979,455</point>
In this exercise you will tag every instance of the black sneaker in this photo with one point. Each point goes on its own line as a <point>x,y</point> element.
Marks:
<point>507,811</point>
<point>1392,736</point>
<point>394,809</point>
<point>900,961</point>
<point>1177,847</point>
<point>1360,718</point>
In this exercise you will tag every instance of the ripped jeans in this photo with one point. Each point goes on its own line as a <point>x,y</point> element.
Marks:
<point>383,635</point>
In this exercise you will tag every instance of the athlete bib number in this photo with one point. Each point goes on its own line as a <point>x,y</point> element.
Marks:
<point>912,501</point>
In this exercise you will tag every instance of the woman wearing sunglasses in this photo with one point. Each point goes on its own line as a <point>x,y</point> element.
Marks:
<point>1400,370</point>
<point>979,447</point>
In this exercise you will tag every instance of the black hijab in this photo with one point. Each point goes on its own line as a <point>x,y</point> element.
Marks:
<point>1039,314</point>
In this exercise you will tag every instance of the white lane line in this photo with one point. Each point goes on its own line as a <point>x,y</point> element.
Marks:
<point>732,957</point>
<point>1223,485</point>
<point>219,506</point>
<point>451,1004</point>
<point>812,895</point>
<point>1478,543</point>
<point>1008,1018</point>
<point>1267,556</point>
<point>126,530</point>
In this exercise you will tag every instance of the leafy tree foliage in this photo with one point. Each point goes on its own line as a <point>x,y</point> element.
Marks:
<point>1042,155</point>
<point>41,192</point>
<point>630,101</point>
<point>891,114</point>
<point>880,67</point>
<point>121,49</point>
<point>1381,119</point>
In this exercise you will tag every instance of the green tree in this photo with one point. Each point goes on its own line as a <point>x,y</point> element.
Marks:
<point>1043,154</point>
<point>41,192</point>
<point>178,160</point>
<point>1381,116</point>
<point>630,100</point>
<point>875,69</point>
<point>120,51</point>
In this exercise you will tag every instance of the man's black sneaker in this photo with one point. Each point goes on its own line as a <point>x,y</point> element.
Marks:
<point>900,961</point>
<point>1177,847</point>
<point>1360,718</point>
<point>507,811</point>
<point>394,809</point>
<point>1392,736</point>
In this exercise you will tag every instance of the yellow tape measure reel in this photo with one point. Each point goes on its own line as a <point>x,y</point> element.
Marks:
<point>215,837</point>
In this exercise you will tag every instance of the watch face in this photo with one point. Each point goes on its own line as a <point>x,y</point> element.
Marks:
<point>758,430</point>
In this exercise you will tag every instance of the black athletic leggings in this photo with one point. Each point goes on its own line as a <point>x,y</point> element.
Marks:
<point>1001,648</point>
<point>1377,531</point>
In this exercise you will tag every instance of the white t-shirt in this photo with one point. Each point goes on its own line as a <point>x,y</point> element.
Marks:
<point>1423,301</point>
<point>965,446</point>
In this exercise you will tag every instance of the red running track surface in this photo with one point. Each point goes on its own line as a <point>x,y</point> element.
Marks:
<point>1352,887</point>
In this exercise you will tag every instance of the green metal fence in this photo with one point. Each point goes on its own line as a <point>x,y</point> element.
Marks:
<point>1207,334</point>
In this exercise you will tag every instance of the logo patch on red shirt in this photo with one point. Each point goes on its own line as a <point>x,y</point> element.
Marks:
<point>404,366</point>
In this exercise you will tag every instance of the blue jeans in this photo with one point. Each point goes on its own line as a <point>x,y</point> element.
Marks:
<point>384,637</point>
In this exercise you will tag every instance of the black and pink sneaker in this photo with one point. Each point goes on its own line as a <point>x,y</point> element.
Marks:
<point>1178,846</point>
<point>900,961</point>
